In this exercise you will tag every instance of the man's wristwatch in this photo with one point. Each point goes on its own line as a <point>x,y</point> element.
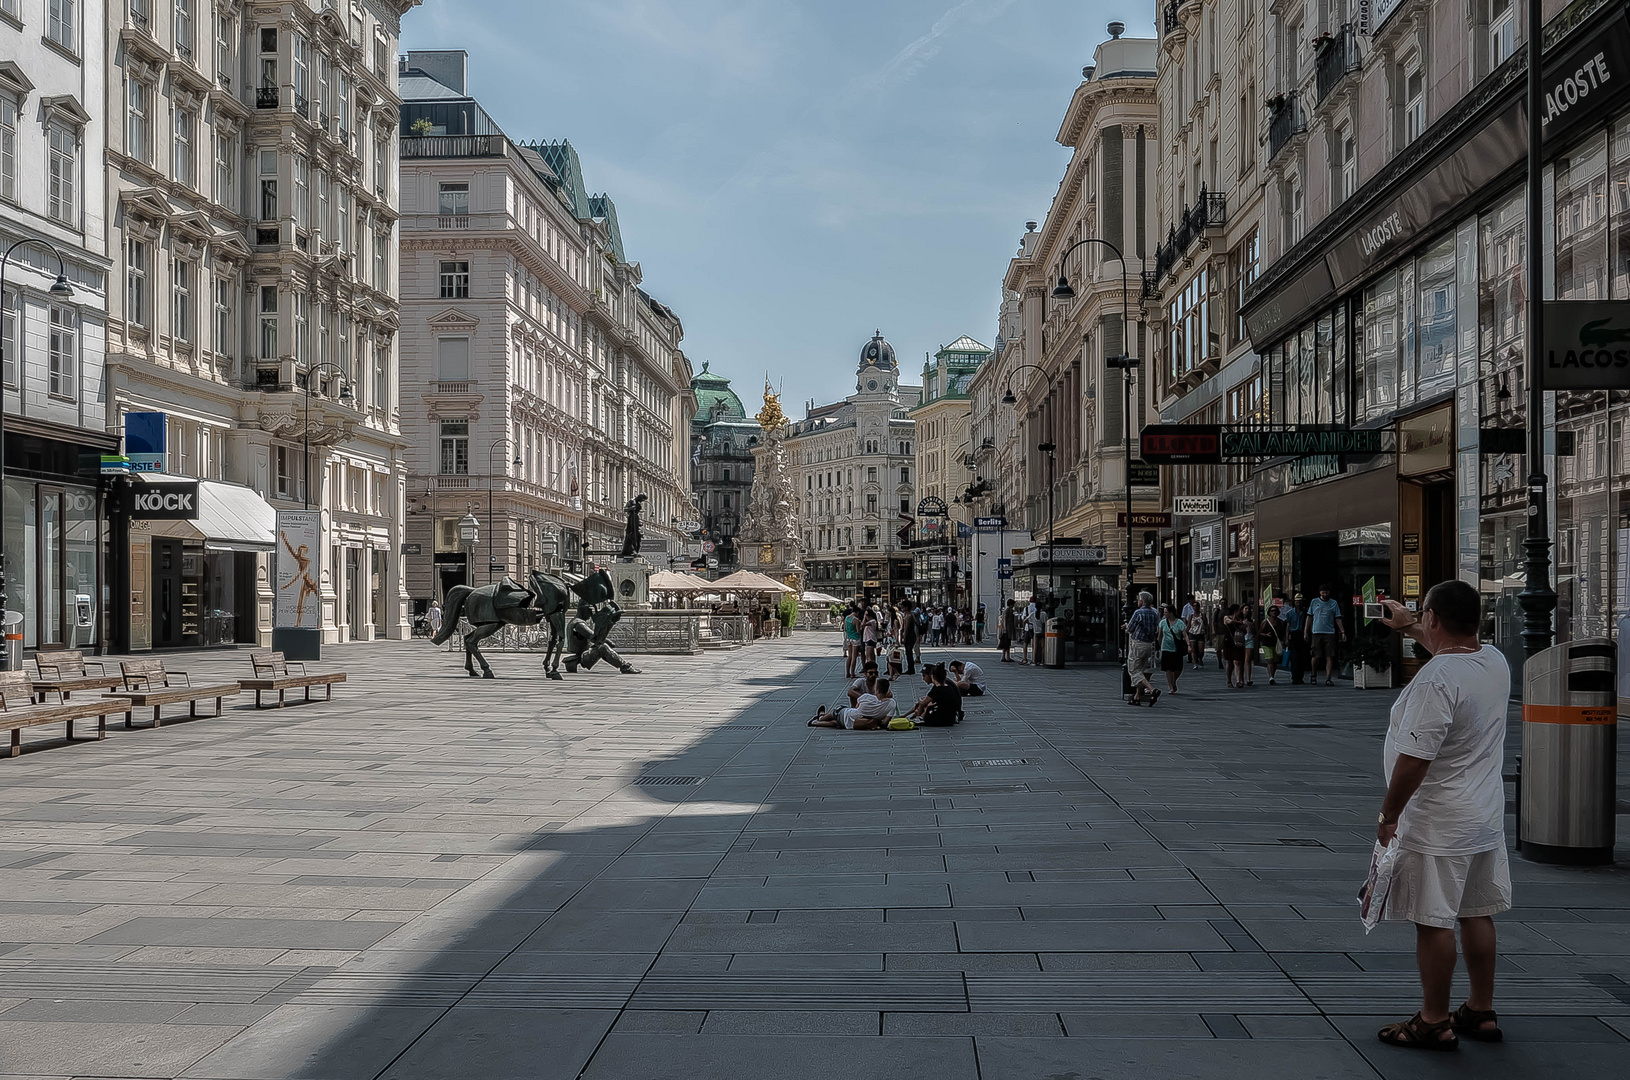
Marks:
<point>1381,819</point>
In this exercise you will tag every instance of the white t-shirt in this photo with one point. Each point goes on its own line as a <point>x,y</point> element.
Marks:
<point>972,674</point>
<point>1453,714</point>
<point>938,621</point>
<point>869,705</point>
<point>1038,622</point>
<point>859,686</point>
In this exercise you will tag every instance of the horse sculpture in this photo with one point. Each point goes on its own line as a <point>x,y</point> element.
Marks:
<point>491,607</point>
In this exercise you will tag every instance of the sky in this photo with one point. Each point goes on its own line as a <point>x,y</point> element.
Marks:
<point>792,175</point>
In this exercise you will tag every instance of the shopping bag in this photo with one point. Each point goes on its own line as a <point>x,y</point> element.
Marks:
<point>1372,897</point>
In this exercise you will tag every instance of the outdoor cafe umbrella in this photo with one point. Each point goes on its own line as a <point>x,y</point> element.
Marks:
<point>813,597</point>
<point>668,581</point>
<point>746,581</point>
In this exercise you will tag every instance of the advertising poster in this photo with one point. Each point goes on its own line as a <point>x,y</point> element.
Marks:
<point>299,570</point>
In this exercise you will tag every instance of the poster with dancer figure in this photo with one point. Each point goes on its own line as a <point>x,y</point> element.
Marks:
<point>299,569</point>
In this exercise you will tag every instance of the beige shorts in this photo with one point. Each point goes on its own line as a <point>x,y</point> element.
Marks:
<point>1435,890</point>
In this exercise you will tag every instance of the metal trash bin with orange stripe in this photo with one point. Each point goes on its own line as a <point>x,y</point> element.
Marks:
<point>1569,753</point>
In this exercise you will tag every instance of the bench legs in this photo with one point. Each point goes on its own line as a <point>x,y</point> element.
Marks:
<point>16,741</point>
<point>70,730</point>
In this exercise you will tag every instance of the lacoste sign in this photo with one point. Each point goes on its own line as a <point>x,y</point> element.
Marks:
<point>162,502</point>
<point>1587,345</point>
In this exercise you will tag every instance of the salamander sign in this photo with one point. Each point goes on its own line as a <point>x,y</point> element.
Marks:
<point>1587,345</point>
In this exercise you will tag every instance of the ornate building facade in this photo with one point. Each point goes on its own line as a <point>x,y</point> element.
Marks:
<point>543,387</point>
<point>251,185</point>
<point>947,469</point>
<point>723,438</point>
<point>854,465</point>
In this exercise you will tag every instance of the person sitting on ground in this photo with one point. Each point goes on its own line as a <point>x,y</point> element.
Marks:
<point>968,678</point>
<point>871,713</point>
<point>866,684</point>
<point>944,701</point>
<point>916,711</point>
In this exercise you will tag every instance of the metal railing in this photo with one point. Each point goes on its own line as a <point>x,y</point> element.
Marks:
<point>452,146</point>
<point>1169,16</point>
<point>1210,211</point>
<point>266,97</point>
<point>1336,60</point>
<point>1285,124</point>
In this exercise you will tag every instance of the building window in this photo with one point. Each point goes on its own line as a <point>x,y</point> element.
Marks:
<point>381,242</point>
<point>455,280</point>
<point>905,475</point>
<point>8,337</point>
<point>302,193</point>
<point>139,121</point>
<point>302,328</point>
<point>455,447</point>
<point>268,322</point>
<point>226,36</point>
<point>59,23</point>
<point>381,396</point>
<point>1502,39</point>
<point>183,29</point>
<point>62,199</point>
<point>268,185</point>
<point>288,483</point>
<point>871,505</point>
<point>1346,164</point>
<point>1295,216</point>
<point>183,156</point>
<point>8,148</point>
<point>454,200</point>
<point>181,282</point>
<point>136,283</point>
<point>382,158</point>
<point>1414,101</point>
<point>223,314</point>
<point>453,359</point>
<point>905,505</point>
<point>225,172</point>
<point>64,351</point>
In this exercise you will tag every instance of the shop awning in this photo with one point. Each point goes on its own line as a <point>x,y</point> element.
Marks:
<point>231,517</point>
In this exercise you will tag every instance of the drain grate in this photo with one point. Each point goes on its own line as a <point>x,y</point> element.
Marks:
<point>1307,725</point>
<point>994,762</point>
<point>741,727</point>
<point>975,789</point>
<point>1300,842</point>
<point>650,781</point>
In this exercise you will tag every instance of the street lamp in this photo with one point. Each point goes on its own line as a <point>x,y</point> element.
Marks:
<point>1126,362</point>
<point>1538,598</point>
<point>1047,448</point>
<point>492,533</point>
<point>469,532</point>
<point>61,290</point>
<point>345,399</point>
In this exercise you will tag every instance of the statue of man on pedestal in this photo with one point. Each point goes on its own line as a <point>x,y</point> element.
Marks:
<point>631,533</point>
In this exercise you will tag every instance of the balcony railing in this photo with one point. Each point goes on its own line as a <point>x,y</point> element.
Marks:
<point>1210,211</point>
<point>302,107</point>
<point>1337,59</point>
<point>1169,19</point>
<point>452,387</point>
<point>1285,124</point>
<point>453,221</point>
<point>452,146</point>
<point>266,97</point>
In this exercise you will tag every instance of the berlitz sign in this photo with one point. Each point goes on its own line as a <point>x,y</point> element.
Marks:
<point>1587,345</point>
<point>162,502</point>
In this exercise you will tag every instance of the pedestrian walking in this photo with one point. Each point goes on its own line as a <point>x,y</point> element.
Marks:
<point>1296,638</point>
<point>1248,615</point>
<point>1219,635</point>
<point>851,642</point>
<point>1271,633</point>
<point>1143,634</point>
<point>1234,635</point>
<point>1196,627</point>
<point>1324,627</point>
<point>1445,809</point>
<point>911,636</point>
<point>1174,645</point>
<point>433,618</point>
<point>936,628</point>
<point>979,625</point>
<point>1008,624</point>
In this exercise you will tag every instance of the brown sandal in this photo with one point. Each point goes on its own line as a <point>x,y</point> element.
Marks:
<point>1417,1034</point>
<point>1469,1022</point>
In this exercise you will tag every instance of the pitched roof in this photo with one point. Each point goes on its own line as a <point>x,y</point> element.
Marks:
<point>965,344</point>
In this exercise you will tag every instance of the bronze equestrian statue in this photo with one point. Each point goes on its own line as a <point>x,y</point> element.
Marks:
<point>491,607</point>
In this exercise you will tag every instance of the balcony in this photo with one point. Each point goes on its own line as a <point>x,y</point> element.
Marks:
<point>1169,21</point>
<point>1337,59</point>
<point>266,97</point>
<point>1210,211</point>
<point>1284,123</point>
<point>302,107</point>
<point>452,146</point>
<point>452,387</point>
<point>453,221</point>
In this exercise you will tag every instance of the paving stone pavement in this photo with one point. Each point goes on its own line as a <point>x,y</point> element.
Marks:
<point>671,876</point>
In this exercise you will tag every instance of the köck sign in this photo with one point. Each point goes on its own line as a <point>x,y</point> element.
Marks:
<point>162,502</point>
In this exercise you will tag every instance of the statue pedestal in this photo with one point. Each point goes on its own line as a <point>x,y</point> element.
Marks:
<point>631,580</point>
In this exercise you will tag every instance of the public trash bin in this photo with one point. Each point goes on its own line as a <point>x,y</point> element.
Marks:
<point>1569,747</point>
<point>1053,645</point>
<point>13,625</point>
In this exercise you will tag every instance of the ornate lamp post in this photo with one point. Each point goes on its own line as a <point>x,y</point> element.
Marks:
<point>61,290</point>
<point>1047,448</point>
<point>469,532</point>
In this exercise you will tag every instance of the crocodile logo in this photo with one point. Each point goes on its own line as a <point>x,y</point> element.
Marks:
<point>1600,334</point>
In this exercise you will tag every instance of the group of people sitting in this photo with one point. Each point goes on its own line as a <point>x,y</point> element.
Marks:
<point>872,704</point>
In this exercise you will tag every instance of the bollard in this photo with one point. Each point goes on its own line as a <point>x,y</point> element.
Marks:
<point>12,659</point>
<point>1569,751</point>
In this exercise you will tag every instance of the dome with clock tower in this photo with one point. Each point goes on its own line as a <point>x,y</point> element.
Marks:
<point>878,371</point>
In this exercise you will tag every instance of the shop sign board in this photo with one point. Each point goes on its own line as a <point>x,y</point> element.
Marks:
<point>1208,569</point>
<point>931,506</point>
<point>146,441</point>
<point>412,549</point>
<point>990,524</point>
<point>1145,474</point>
<point>1196,505</point>
<point>1591,71</point>
<point>1305,440</point>
<point>162,502</point>
<point>1148,520</point>
<point>1181,444</point>
<point>299,569</point>
<point>1587,345</point>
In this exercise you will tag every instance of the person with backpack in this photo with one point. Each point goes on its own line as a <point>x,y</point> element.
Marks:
<point>1272,634</point>
<point>1195,626</point>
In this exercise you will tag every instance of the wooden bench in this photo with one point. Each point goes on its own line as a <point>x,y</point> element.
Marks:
<point>18,710</point>
<point>66,671</point>
<point>272,672</point>
<point>146,683</point>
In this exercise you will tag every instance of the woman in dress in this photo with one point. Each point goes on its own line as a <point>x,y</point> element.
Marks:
<point>1174,645</point>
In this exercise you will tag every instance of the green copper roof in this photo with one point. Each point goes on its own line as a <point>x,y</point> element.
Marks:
<point>714,390</point>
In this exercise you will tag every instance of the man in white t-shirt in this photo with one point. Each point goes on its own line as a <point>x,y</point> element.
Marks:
<point>873,711</point>
<point>968,678</point>
<point>1445,805</point>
